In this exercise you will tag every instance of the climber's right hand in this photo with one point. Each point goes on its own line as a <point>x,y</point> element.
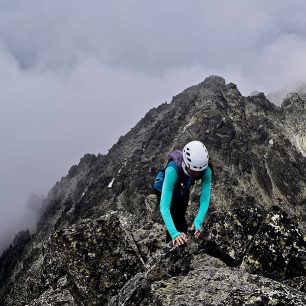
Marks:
<point>180,240</point>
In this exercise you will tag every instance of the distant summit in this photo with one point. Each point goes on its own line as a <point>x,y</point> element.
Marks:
<point>278,96</point>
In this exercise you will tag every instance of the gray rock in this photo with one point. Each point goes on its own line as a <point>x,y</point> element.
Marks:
<point>209,282</point>
<point>86,263</point>
<point>278,248</point>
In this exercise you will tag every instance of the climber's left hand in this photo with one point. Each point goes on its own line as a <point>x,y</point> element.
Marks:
<point>197,233</point>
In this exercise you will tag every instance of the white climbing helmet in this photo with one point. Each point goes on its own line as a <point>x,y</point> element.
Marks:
<point>195,156</point>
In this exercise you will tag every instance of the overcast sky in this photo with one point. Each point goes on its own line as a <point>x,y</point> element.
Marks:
<point>75,75</point>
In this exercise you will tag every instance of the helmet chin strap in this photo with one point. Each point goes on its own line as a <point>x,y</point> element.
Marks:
<point>184,168</point>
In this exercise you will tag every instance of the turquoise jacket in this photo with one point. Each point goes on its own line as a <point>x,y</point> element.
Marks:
<point>171,178</point>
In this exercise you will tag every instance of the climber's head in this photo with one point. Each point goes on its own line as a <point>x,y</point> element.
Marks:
<point>195,157</point>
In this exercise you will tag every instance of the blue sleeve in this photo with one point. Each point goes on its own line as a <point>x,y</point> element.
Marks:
<point>204,198</point>
<point>170,179</point>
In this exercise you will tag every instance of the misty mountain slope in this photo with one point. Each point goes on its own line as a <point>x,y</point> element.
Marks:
<point>225,117</point>
<point>255,223</point>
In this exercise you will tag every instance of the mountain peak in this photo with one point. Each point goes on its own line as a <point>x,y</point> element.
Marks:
<point>101,237</point>
<point>294,101</point>
<point>214,81</point>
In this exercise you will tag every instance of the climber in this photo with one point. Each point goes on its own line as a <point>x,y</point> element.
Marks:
<point>172,186</point>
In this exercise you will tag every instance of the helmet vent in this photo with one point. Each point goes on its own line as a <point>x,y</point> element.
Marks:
<point>188,153</point>
<point>189,159</point>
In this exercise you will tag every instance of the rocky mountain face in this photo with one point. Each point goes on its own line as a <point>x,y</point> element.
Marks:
<point>101,239</point>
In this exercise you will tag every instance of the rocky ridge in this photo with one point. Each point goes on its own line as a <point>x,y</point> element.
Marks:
<point>100,240</point>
